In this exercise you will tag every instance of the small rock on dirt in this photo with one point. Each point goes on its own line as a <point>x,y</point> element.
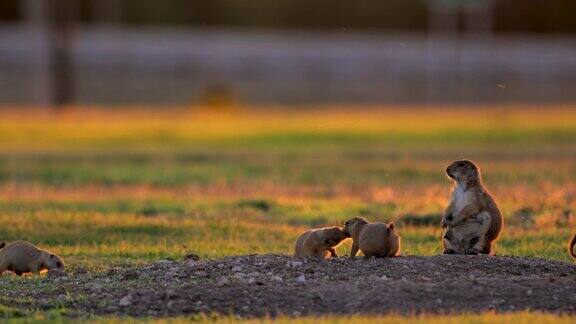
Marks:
<point>126,300</point>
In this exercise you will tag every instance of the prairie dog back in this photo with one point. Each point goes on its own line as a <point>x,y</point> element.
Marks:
<point>24,257</point>
<point>373,239</point>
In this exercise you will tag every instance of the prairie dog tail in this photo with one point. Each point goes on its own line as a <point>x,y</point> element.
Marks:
<point>4,243</point>
<point>571,248</point>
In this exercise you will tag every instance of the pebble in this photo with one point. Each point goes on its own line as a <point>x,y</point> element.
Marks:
<point>126,300</point>
<point>295,264</point>
<point>301,279</point>
<point>223,281</point>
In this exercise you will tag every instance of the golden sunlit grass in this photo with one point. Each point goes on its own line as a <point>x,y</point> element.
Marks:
<point>522,317</point>
<point>487,318</point>
<point>167,128</point>
<point>106,187</point>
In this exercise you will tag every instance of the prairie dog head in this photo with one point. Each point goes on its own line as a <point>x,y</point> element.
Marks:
<point>332,236</point>
<point>53,262</point>
<point>463,171</point>
<point>351,225</point>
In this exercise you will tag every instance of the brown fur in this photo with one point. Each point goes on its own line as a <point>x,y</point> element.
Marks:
<point>373,239</point>
<point>472,218</point>
<point>319,242</point>
<point>571,248</point>
<point>22,257</point>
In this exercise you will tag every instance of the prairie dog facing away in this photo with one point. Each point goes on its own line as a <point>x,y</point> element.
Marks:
<point>22,257</point>
<point>373,239</point>
<point>571,247</point>
<point>319,242</point>
<point>472,220</point>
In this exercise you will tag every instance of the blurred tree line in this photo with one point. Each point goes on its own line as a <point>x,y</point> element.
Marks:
<point>531,16</point>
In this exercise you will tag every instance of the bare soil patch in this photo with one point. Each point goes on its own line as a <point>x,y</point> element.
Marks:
<point>261,285</point>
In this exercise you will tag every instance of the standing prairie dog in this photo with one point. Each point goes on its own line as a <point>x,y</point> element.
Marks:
<point>373,239</point>
<point>571,247</point>
<point>319,242</point>
<point>472,220</point>
<point>23,257</point>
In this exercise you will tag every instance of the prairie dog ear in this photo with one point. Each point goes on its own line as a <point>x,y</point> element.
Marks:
<point>390,226</point>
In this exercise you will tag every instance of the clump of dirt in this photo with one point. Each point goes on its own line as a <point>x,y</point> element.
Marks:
<point>270,285</point>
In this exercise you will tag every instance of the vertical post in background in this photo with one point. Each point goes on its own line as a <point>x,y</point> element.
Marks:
<point>50,23</point>
<point>61,14</point>
<point>36,20</point>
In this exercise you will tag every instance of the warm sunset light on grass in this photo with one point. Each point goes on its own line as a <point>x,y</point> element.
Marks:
<point>103,188</point>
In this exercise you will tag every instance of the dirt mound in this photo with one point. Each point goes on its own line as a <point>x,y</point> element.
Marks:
<point>259,285</point>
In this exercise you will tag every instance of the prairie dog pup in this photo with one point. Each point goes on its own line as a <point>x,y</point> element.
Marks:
<point>472,219</point>
<point>319,242</point>
<point>571,247</point>
<point>373,239</point>
<point>23,257</point>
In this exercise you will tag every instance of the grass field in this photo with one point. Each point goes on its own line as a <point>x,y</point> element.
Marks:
<point>489,318</point>
<point>117,186</point>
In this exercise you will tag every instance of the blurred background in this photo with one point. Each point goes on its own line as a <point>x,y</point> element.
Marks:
<point>296,52</point>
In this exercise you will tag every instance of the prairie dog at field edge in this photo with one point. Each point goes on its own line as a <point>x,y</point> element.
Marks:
<point>472,219</point>
<point>22,257</point>
<point>319,242</point>
<point>373,239</point>
<point>571,246</point>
